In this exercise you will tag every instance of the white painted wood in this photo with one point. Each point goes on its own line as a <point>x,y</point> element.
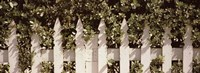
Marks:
<point>145,50</point>
<point>35,42</point>
<point>3,56</point>
<point>13,50</point>
<point>196,52</point>
<point>58,50</point>
<point>95,50</point>
<point>113,54</point>
<point>102,48</point>
<point>80,49</point>
<point>91,49</point>
<point>187,51</point>
<point>155,52</point>
<point>47,55</point>
<point>69,55</point>
<point>124,49</point>
<point>167,52</point>
<point>134,54</point>
<point>91,67</point>
<point>177,53</point>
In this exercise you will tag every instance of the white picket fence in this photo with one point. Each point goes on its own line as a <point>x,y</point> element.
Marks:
<point>93,56</point>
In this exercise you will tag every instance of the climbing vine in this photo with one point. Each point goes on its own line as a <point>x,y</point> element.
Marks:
<point>69,23</point>
<point>196,30</point>
<point>24,46</point>
<point>4,34</point>
<point>136,27</point>
<point>4,24</point>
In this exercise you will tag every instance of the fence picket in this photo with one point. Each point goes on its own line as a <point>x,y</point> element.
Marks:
<point>35,42</point>
<point>124,49</point>
<point>102,48</point>
<point>92,57</point>
<point>13,50</point>
<point>80,49</point>
<point>187,51</point>
<point>167,52</point>
<point>145,50</point>
<point>58,51</point>
<point>91,49</point>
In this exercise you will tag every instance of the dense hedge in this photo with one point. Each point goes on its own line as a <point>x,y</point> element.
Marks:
<point>40,15</point>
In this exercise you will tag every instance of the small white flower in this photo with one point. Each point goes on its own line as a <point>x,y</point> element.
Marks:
<point>5,22</point>
<point>43,48</point>
<point>1,7</point>
<point>12,4</point>
<point>41,14</point>
<point>40,9</point>
<point>150,34</point>
<point>109,63</point>
<point>31,22</point>
<point>73,33</point>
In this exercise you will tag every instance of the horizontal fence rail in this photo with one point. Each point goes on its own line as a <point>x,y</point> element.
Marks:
<point>112,53</point>
<point>92,56</point>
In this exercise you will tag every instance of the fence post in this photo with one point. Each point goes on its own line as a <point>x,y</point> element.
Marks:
<point>167,52</point>
<point>13,50</point>
<point>145,50</point>
<point>80,48</point>
<point>102,48</point>
<point>57,50</point>
<point>187,51</point>
<point>124,49</point>
<point>35,42</point>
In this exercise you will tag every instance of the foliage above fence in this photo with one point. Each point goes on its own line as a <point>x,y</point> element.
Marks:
<point>39,16</point>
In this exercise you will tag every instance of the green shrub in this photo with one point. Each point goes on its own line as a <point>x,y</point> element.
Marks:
<point>4,68</point>
<point>156,65</point>
<point>47,67</point>
<point>177,66</point>
<point>136,67</point>
<point>196,65</point>
<point>69,67</point>
<point>113,66</point>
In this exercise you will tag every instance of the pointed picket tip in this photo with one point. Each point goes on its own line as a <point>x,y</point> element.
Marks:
<point>102,25</point>
<point>124,26</point>
<point>79,25</point>
<point>57,24</point>
<point>79,30</point>
<point>188,32</point>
